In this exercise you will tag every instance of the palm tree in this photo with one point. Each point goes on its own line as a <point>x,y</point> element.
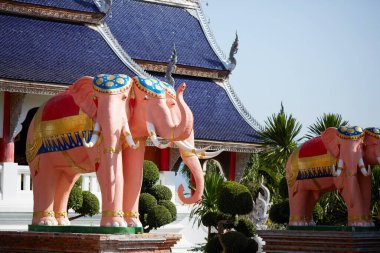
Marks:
<point>322,123</point>
<point>279,139</point>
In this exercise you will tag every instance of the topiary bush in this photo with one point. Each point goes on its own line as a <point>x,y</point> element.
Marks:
<point>158,216</point>
<point>280,212</point>
<point>146,203</point>
<point>213,244</point>
<point>234,242</point>
<point>233,192</point>
<point>161,192</point>
<point>170,206</point>
<point>75,199</point>
<point>151,175</point>
<point>252,246</point>
<point>210,219</point>
<point>246,227</point>
<point>283,188</point>
<point>90,204</point>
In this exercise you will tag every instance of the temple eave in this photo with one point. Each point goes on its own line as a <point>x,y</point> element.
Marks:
<point>51,13</point>
<point>183,70</point>
<point>31,87</point>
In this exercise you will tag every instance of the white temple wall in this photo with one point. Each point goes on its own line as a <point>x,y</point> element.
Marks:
<point>240,164</point>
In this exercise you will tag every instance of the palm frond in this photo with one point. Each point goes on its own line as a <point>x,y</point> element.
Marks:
<point>325,121</point>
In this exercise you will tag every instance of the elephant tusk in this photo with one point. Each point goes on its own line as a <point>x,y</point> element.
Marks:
<point>153,136</point>
<point>364,171</point>
<point>129,139</point>
<point>185,146</point>
<point>336,173</point>
<point>94,137</point>
<point>208,155</point>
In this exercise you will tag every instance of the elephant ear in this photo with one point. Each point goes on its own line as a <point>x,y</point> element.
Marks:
<point>82,92</point>
<point>330,139</point>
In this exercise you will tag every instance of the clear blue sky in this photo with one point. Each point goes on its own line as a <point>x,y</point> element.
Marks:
<point>314,56</point>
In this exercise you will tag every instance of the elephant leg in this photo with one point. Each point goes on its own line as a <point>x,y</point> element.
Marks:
<point>354,203</point>
<point>44,185</point>
<point>110,178</point>
<point>312,200</point>
<point>365,188</point>
<point>133,160</point>
<point>62,193</point>
<point>298,203</point>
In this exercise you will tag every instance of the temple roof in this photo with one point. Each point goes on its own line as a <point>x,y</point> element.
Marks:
<point>46,54</point>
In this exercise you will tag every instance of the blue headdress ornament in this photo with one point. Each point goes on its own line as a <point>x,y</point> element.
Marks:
<point>350,132</point>
<point>112,84</point>
<point>373,131</point>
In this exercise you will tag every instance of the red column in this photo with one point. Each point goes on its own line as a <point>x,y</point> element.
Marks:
<point>6,143</point>
<point>232,165</point>
<point>165,159</point>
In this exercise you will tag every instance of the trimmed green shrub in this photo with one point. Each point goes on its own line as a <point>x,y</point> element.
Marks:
<point>158,216</point>
<point>170,206</point>
<point>210,219</point>
<point>151,175</point>
<point>213,244</point>
<point>90,204</point>
<point>246,227</point>
<point>146,203</point>
<point>234,198</point>
<point>75,199</point>
<point>234,242</point>
<point>283,188</point>
<point>161,192</point>
<point>252,246</point>
<point>279,213</point>
<point>79,182</point>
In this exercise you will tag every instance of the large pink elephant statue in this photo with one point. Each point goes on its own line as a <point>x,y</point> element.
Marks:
<point>101,124</point>
<point>63,142</point>
<point>149,97</point>
<point>311,170</point>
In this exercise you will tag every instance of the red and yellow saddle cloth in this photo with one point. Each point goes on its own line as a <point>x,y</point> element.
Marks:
<point>311,160</point>
<point>59,125</point>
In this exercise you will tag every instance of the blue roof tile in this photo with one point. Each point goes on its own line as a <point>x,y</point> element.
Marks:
<point>155,28</point>
<point>215,117</point>
<point>45,51</point>
<point>78,5</point>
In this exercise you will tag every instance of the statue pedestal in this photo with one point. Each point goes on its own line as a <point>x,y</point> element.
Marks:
<point>78,242</point>
<point>320,240</point>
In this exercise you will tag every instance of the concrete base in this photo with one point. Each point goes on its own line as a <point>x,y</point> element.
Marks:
<point>319,241</point>
<point>66,242</point>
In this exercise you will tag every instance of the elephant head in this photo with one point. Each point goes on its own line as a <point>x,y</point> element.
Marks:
<point>160,111</point>
<point>346,144</point>
<point>372,146</point>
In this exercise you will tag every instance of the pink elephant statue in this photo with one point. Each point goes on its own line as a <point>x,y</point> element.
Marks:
<point>310,171</point>
<point>148,99</point>
<point>101,124</point>
<point>371,158</point>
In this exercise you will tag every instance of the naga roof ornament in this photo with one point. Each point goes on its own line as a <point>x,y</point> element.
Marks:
<point>234,49</point>
<point>171,67</point>
<point>350,132</point>
<point>373,131</point>
<point>112,84</point>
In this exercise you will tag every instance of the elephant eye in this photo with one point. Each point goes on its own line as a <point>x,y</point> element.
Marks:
<point>124,97</point>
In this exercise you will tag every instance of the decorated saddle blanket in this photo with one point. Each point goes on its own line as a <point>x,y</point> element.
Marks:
<point>311,160</point>
<point>60,125</point>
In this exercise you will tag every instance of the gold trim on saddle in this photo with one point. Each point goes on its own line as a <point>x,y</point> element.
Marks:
<point>131,214</point>
<point>42,214</point>
<point>61,215</point>
<point>112,213</point>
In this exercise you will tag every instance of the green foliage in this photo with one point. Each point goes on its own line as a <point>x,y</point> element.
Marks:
<point>252,246</point>
<point>158,216</point>
<point>234,242</point>
<point>375,198</point>
<point>170,206</point>
<point>161,192</point>
<point>327,120</point>
<point>234,198</point>
<point>90,205</point>
<point>331,210</point>
<point>75,199</point>
<point>212,184</point>
<point>279,140</point>
<point>213,244</point>
<point>246,227</point>
<point>210,219</point>
<point>79,182</point>
<point>279,213</point>
<point>283,188</point>
<point>151,175</point>
<point>146,203</point>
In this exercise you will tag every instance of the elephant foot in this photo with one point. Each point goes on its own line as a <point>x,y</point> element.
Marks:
<point>133,222</point>
<point>312,223</point>
<point>112,219</point>
<point>362,224</point>
<point>44,218</point>
<point>62,218</point>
